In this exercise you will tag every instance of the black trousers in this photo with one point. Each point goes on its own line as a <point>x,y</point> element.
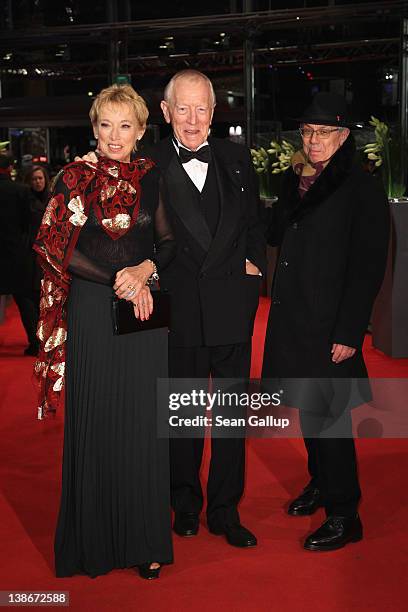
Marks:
<point>227,466</point>
<point>28,305</point>
<point>332,461</point>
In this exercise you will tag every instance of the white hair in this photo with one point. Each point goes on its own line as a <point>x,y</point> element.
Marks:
<point>192,75</point>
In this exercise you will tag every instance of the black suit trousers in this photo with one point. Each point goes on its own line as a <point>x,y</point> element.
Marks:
<point>225,484</point>
<point>29,307</point>
<point>332,461</point>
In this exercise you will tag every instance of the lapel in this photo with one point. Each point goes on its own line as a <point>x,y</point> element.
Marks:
<point>229,182</point>
<point>186,206</point>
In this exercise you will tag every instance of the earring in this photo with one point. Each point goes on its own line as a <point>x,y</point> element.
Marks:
<point>135,145</point>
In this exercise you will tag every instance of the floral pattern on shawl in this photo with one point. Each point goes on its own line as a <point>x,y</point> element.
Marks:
<point>113,189</point>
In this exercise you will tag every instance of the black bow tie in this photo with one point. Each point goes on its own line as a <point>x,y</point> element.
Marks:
<point>202,154</point>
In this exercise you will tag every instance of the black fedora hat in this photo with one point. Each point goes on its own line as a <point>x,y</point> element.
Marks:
<point>326,109</point>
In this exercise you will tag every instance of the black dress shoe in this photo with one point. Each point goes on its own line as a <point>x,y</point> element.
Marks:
<point>307,502</point>
<point>147,573</point>
<point>186,524</point>
<point>336,532</point>
<point>236,535</point>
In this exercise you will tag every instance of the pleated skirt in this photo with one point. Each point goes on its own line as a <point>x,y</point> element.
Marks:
<point>115,501</point>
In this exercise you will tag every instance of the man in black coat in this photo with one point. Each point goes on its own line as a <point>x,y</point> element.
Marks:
<point>211,194</point>
<point>332,223</point>
<point>15,249</point>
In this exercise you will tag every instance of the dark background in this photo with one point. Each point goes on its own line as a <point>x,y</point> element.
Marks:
<point>55,56</point>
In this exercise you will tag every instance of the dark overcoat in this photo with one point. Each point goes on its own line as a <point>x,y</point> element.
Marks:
<point>15,247</point>
<point>213,300</point>
<point>330,268</point>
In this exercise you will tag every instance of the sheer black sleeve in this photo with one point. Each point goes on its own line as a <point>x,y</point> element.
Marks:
<point>165,245</point>
<point>84,267</point>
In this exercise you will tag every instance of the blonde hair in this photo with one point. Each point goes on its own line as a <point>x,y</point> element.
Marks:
<point>191,75</point>
<point>120,94</point>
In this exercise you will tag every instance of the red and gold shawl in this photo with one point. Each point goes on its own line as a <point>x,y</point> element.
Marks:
<point>113,190</point>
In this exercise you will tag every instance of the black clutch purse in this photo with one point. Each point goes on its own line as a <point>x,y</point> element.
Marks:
<point>125,322</point>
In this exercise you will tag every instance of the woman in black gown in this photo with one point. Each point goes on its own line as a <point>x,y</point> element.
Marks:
<point>102,218</point>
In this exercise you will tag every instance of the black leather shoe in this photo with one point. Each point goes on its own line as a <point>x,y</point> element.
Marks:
<point>147,573</point>
<point>307,503</point>
<point>186,524</point>
<point>236,535</point>
<point>336,532</point>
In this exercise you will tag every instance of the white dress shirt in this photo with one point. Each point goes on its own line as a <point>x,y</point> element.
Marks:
<point>196,169</point>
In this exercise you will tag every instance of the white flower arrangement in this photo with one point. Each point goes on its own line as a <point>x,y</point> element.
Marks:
<point>385,152</point>
<point>375,150</point>
<point>275,160</point>
<point>284,152</point>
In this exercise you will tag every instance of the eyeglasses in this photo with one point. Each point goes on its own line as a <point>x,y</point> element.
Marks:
<point>321,133</point>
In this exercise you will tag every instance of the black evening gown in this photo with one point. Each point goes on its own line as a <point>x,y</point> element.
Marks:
<point>115,506</point>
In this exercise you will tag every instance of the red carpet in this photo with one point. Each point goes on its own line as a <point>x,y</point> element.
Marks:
<point>277,575</point>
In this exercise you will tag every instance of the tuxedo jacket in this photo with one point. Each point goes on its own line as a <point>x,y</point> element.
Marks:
<point>213,300</point>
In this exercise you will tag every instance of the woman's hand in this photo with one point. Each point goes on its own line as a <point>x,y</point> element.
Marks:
<point>143,304</point>
<point>88,157</point>
<point>130,281</point>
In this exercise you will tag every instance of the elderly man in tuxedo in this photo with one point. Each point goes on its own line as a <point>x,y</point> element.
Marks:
<point>211,193</point>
